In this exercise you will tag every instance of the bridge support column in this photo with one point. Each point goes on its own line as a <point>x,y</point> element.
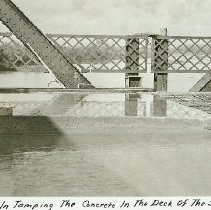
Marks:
<point>161,62</point>
<point>132,63</point>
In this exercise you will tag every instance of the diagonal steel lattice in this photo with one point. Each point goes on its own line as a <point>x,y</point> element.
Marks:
<point>117,54</point>
<point>14,55</point>
<point>181,54</point>
<point>104,53</point>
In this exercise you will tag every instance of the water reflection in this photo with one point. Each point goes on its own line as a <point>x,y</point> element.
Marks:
<point>100,145</point>
<point>99,105</point>
<point>61,103</point>
<point>145,105</point>
<point>131,104</point>
<point>159,106</point>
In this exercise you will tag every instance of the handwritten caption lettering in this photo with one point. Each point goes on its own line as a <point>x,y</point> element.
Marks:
<point>104,203</point>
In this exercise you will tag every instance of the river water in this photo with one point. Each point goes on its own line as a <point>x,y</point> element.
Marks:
<point>62,144</point>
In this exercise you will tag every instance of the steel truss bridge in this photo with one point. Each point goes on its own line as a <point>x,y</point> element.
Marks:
<point>69,57</point>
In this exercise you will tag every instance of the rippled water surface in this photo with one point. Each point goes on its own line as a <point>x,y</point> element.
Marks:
<point>55,144</point>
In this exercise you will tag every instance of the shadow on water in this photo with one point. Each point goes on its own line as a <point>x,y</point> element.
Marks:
<point>27,133</point>
<point>39,133</point>
<point>19,134</point>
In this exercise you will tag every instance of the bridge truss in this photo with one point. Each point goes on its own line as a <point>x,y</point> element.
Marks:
<point>70,56</point>
<point>34,40</point>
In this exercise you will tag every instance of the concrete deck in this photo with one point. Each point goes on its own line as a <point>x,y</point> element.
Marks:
<point>104,144</point>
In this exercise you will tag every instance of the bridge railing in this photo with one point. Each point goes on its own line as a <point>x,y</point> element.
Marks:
<point>13,55</point>
<point>181,54</point>
<point>104,53</point>
<point>117,54</point>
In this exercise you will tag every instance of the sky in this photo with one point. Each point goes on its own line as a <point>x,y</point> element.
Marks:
<point>181,17</point>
